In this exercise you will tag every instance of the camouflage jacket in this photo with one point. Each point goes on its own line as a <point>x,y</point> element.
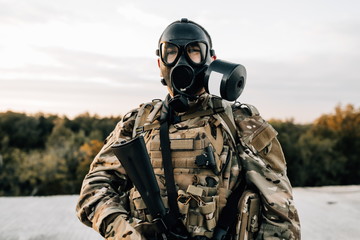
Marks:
<point>104,199</point>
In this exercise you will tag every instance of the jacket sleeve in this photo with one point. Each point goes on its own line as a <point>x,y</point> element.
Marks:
<point>265,167</point>
<point>103,201</point>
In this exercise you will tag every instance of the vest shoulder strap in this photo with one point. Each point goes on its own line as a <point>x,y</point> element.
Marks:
<point>217,102</point>
<point>143,123</point>
<point>146,115</point>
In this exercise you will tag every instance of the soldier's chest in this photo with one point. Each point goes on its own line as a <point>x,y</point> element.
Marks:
<point>201,156</point>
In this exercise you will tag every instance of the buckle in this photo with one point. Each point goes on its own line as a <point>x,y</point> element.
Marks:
<point>139,130</point>
<point>219,109</point>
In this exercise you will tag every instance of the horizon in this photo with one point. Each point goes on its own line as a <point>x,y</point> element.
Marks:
<point>95,114</point>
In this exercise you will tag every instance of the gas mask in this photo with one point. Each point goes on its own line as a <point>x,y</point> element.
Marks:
<point>185,50</point>
<point>187,65</point>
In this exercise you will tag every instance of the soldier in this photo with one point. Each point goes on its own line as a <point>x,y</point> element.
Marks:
<point>227,166</point>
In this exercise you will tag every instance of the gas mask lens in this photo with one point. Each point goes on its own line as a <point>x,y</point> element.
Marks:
<point>169,52</point>
<point>195,52</point>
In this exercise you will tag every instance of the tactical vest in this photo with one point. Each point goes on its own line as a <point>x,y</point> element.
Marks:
<point>204,161</point>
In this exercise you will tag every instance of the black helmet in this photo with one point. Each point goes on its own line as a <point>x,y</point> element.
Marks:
<point>185,48</point>
<point>181,34</point>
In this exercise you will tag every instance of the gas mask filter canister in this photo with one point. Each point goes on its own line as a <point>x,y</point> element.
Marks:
<point>221,78</point>
<point>225,79</point>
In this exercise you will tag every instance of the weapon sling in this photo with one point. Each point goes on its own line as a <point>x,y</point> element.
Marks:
<point>168,169</point>
<point>177,227</point>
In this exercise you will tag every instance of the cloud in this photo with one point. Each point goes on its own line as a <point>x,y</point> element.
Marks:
<point>77,81</point>
<point>302,89</point>
<point>43,12</point>
<point>25,12</point>
<point>302,58</point>
<point>136,15</point>
<point>81,66</point>
<point>80,81</point>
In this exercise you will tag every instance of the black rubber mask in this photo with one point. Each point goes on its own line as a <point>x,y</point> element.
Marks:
<point>184,48</point>
<point>187,79</point>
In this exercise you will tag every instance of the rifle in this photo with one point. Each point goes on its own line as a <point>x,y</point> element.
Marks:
<point>136,162</point>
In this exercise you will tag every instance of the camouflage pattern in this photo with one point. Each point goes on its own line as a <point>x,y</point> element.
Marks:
<point>266,168</point>
<point>105,200</point>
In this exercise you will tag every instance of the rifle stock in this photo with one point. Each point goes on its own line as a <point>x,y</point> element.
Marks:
<point>134,158</point>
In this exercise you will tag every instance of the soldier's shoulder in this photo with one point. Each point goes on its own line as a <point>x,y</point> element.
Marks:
<point>131,115</point>
<point>133,118</point>
<point>245,110</point>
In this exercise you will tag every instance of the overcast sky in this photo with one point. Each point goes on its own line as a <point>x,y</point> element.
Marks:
<point>75,56</point>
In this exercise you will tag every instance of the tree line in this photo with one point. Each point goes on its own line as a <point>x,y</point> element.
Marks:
<point>326,152</point>
<point>49,154</point>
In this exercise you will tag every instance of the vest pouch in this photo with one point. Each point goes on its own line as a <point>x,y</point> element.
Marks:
<point>248,216</point>
<point>183,203</point>
<point>207,159</point>
<point>184,210</point>
<point>139,208</point>
<point>208,210</point>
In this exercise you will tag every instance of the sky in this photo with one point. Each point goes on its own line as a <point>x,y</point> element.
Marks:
<point>69,57</point>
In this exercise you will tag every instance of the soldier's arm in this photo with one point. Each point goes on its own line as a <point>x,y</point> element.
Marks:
<point>266,169</point>
<point>103,201</point>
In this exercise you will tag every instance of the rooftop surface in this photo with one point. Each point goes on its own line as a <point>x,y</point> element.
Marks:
<point>325,213</point>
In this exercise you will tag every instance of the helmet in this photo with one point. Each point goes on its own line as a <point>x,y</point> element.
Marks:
<point>185,49</point>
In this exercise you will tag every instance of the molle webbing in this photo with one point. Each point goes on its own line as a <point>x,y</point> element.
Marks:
<point>187,145</point>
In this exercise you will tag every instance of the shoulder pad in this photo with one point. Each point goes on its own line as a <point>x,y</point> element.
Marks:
<point>146,114</point>
<point>247,109</point>
<point>130,114</point>
<point>135,111</point>
<point>153,103</point>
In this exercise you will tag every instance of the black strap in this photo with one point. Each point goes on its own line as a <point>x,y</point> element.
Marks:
<point>228,215</point>
<point>168,169</point>
<point>176,228</point>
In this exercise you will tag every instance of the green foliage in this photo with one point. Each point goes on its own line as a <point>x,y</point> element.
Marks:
<point>289,135</point>
<point>344,128</point>
<point>48,154</point>
<point>325,152</point>
<point>45,155</point>
<point>25,132</point>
